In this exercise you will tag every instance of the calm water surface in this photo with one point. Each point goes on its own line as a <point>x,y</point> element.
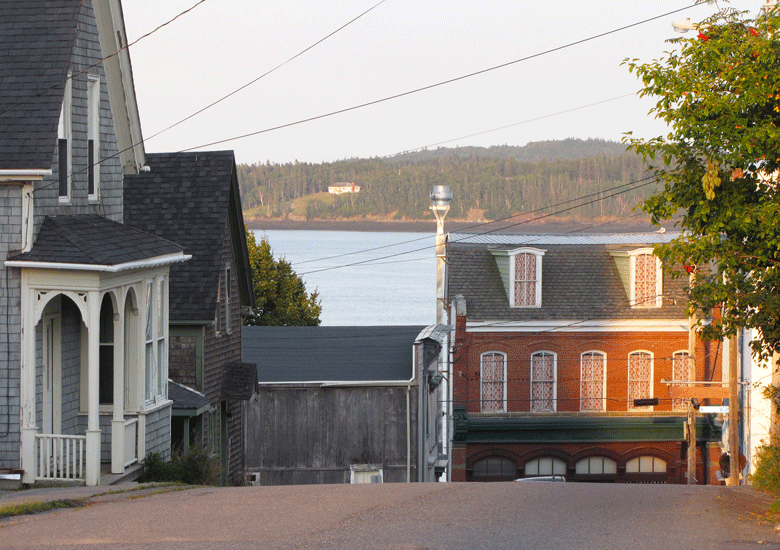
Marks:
<point>364,278</point>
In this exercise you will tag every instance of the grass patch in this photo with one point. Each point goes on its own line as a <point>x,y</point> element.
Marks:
<point>27,508</point>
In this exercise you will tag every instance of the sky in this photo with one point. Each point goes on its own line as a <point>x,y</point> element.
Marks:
<point>399,46</point>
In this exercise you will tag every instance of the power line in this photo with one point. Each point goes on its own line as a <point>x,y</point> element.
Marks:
<point>646,183</point>
<point>438,84</point>
<point>99,61</point>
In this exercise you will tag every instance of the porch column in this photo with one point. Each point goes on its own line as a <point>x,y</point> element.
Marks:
<point>118,420</point>
<point>93,390</point>
<point>27,412</point>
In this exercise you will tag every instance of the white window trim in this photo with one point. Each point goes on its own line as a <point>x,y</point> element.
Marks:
<point>554,381</point>
<point>603,383</point>
<point>658,278</point>
<point>93,130</point>
<point>366,468</point>
<point>482,380</point>
<point>65,131</point>
<point>226,310</point>
<point>539,253</point>
<point>652,380</point>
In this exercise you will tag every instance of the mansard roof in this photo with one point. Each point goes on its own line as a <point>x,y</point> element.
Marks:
<point>95,241</point>
<point>192,199</point>
<point>36,40</point>
<point>580,278</point>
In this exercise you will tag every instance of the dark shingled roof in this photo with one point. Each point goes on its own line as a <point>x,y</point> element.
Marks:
<point>93,240</point>
<point>186,398</point>
<point>579,281</point>
<point>186,198</point>
<point>36,40</point>
<point>330,354</point>
<point>239,380</point>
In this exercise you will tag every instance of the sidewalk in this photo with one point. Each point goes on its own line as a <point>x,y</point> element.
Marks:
<point>100,493</point>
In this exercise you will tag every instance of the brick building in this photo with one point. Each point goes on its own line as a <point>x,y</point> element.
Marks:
<point>555,338</point>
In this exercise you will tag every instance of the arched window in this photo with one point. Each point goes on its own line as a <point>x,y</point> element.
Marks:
<point>596,465</point>
<point>543,373</point>
<point>593,369</point>
<point>640,378</point>
<point>646,465</point>
<point>493,381</point>
<point>680,371</point>
<point>106,361</point>
<point>545,466</point>
<point>494,468</point>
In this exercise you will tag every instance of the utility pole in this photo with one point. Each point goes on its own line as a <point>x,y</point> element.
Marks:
<point>733,478</point>
<point>692,377</point>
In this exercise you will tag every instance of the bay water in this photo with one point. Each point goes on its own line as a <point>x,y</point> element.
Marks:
<point>363,278</point>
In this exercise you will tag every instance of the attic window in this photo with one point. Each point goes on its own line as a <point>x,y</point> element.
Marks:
<point>642,276</point>
<point>526,270</point>
<point>93,137</point>
<point>64,145</point>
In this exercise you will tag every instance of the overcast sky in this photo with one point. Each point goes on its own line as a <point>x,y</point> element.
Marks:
<point>399,46</point>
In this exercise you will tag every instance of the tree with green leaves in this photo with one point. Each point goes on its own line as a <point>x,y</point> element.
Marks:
<point>281,296</point>
<point>719,92</point>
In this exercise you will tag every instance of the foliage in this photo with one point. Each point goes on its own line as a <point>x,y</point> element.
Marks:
<point>766,476</point>
<point>497,182</point>
<point>33,507</point>
<point>280,294</point>
<point>194,467</point>
<point>719,92</point>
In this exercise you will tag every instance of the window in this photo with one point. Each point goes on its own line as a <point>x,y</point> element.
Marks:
<point>640,378</point>
<point>647,281</point>
<point>106,362</point>
<point>93,137</point>
<point>543,371</point>
<point>596,465</point>
<point>162,363</point>
<point>366,473</point>
<point>593,365</point>
<point>526,267</point>
<point>545,466</point>
<point>680,371</point>
<point>646,465</point>
<point>64,139</point>
<point>494,468</point>
<point>151,366</point>
<point>227,299</point>
<point>493,382</point>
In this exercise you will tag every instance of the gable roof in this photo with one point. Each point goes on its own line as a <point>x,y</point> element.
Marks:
<point>92,240</point>
<point>330,354</point>
<point>192,199</point>
<point>580,278</point>
<point>36,40</point>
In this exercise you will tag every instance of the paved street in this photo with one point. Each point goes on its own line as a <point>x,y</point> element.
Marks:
<point>416,516</point>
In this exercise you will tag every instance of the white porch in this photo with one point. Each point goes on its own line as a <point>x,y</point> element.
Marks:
<point>86,382</point>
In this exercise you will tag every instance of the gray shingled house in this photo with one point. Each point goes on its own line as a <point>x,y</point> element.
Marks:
<point>193,199</point>
<point>556,338</point>
<point>84,300</point>
<point>344,404</point>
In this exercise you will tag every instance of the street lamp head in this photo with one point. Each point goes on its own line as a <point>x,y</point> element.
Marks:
<point>684,25</point>
<point>441,195</point>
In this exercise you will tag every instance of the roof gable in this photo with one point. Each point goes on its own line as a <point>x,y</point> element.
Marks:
<point>192,199</point>
<point>36,41</point>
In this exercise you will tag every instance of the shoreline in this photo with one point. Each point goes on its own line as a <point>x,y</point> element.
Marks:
<point>429,226</point>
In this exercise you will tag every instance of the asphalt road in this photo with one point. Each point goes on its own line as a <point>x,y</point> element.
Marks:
<point>415,516</point>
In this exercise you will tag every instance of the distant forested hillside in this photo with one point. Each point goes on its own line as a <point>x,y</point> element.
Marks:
<point>490,183</point>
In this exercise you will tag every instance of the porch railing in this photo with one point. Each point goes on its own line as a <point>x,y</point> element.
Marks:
<point>131,441</point>
<point>61,457</point>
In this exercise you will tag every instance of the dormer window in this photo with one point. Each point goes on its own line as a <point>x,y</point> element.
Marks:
<point>526,266</point>
<point>93,138</point>
<point>640,271</point>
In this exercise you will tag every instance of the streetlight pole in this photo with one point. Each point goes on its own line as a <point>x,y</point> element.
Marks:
<point>441,197</point>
